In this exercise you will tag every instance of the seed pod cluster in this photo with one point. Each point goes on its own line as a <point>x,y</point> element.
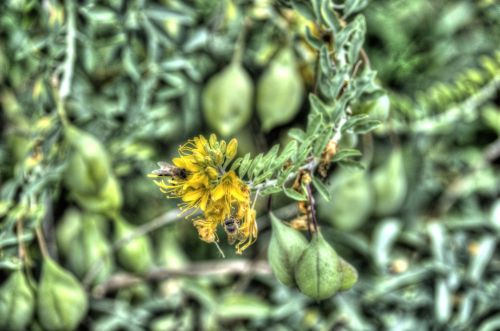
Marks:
<point>88,174</point>
<point>314,267</point>
<point>61,301</point>
<point>17,303</point>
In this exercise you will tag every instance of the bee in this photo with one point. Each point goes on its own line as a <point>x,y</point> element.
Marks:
<point>169,170</point>
<point>232,227</point>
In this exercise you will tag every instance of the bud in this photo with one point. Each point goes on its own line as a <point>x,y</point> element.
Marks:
<point>389,183</point>
<point>348,189</point>
<point>231,149</point>
<point>227,100</point>
<point>318,272</point>
<point>349,275</point>
<point>136,254</point>
<point>61,301</point>
<point>280,91</point>
<point>284,250</point>
<point>16,303</point>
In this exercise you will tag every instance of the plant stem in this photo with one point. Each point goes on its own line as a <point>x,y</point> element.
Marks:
<point>69,61</point>
<point>313,207</point>
<point>41,242</point>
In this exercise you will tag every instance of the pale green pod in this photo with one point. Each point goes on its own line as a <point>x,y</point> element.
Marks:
<point>351,203</point>
<point>61,300</point>
<point>390,185</point>
<point>349,275</point>
<point>89,166</point>
<point>318,271</point>
<point>17,303</point>
<point>108,200</point>
<point>280,91</point>
<point>377,107</point>
<point>285,248</point>
<point>135,255</point>
<point>227,100</point>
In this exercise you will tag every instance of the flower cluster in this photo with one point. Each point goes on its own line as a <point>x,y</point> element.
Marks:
<point>200,179</point>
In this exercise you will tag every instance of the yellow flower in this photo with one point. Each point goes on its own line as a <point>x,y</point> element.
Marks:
<point>205,185</point>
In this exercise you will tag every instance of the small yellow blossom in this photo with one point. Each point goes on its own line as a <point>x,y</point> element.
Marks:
<point>206,185</point>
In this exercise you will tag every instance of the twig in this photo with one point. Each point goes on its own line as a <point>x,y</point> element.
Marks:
<point>312,204</point>
<point>69,61</point>
<point>21,249</point>
<point>41,242</point>
<point>204,269</point>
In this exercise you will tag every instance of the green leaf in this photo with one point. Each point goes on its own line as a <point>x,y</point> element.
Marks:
<point>321,188</point>
<point>236,164</point>
<point>321,142</point>
<point>345,153</point>
<point>354,120</point>
<point>297,134</point>
<point>317,105</point>
<point>292,194</point>
<point>245,163</point>
<point>312,40</point>
<point>304,9</point>
<point>354,6</point>
<point>255,166</point>
<point>270,190</point>
<point>350,164</point>
<point>366,126</point>
<point>314,123</point>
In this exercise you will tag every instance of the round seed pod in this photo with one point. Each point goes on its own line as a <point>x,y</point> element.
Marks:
<point>227,100</point>
<point>280,91</point>
<point>17,303</point>
<point>285,248</point>
<point>318,272</point>
<point>61,301</point>
<point>88,166</point>
<point>84,244</point>
<point>349,275</point>
<point>348,189</point>
<point>135,255</point>
<point>390,185</point>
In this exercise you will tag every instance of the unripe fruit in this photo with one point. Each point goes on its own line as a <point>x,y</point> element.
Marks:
<point>349,275</point>
<point>135,255</point>
<point>61,301</point>
<point>348,189</point>
<point>280,91</point>
<point>107,200</point>
<point>389,183</point>
<point>285,248</point>
<point>16,303</point>
<point>377,107</point>
<point>88,167</point>
<point>227,100</point>
<point>318,272</point>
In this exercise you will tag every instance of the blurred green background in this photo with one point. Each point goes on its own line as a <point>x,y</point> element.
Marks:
<point>420,223</point>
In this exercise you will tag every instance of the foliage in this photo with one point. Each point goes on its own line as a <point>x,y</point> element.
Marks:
<point>373,126</point>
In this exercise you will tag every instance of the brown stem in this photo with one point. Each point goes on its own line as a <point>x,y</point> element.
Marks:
<point>203,269</point>
<point>41,242</point>
<point>313,207</point>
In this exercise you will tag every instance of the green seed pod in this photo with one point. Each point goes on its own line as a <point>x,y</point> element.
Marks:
<point>107,200</point>
<point>285,248</point>
<point>88,167</point>
<point>227,100</point>
<point>348,189</point>
<point>61,301</point>
<point>136,255</point>
<point>280,91</point>
<point>16,303</point>
<point>85,246</point>
<point>318,272</point>
<point>349,275</point>
<point>389,183</point>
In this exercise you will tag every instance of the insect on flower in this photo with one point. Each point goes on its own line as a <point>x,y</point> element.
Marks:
<point>169,170</point>
<point>200,179</point>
